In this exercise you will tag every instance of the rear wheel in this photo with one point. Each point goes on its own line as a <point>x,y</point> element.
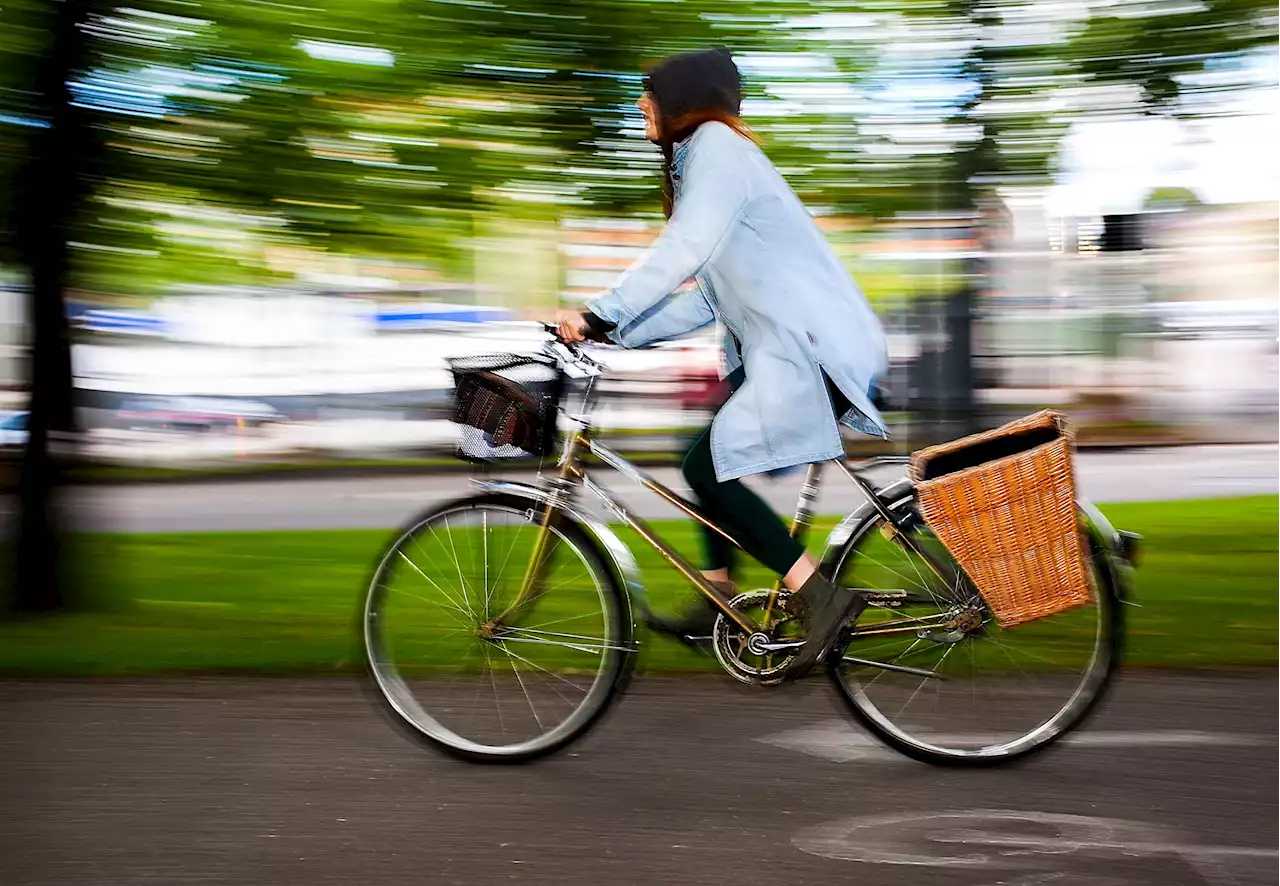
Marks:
<point>466,664</point>
<point>943,682</point>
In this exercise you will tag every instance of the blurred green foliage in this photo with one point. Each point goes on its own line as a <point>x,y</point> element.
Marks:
<point>240,138</point>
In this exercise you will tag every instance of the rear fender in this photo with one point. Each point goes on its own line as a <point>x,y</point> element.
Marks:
<point>1119,547</point>
<point>844,530</point>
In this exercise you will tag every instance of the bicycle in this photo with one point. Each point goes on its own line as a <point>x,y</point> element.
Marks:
<point>544,596</point>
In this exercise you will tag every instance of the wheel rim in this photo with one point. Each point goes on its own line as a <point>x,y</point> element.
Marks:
<point>1005,691</point>
<point>455,677</point>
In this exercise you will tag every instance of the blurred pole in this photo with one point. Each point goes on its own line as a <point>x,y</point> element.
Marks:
<point>960,404</point>
<point>50,193</point>
<point>943,383</point>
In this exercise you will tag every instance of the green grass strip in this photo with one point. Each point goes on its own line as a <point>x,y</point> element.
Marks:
<point>285,602</point>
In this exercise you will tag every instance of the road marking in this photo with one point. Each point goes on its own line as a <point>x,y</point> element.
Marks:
<point>1013,840</point>
<point>840,742</point>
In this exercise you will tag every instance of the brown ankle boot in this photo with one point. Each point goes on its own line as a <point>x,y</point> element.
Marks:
<point>826,610</point>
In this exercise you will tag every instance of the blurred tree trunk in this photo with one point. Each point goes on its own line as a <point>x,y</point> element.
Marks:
<point>50,193</point>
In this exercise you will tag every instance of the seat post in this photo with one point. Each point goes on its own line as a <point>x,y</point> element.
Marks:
<point>807,499</point>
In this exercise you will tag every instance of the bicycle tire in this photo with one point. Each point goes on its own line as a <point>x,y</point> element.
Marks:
<point>1098,687</point>
<point>617,667</point>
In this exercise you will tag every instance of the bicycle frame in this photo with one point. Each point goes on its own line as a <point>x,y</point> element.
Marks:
<point>571,472</point>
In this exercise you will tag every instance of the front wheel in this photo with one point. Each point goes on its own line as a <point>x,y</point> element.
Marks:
<point>473,656</point>
<point>931,673</point>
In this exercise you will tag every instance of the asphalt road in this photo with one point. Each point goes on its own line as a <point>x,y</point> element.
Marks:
<point>223,781</point>
<point>381,502</point>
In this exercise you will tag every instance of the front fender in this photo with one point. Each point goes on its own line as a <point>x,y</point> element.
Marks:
<point>620,558</point>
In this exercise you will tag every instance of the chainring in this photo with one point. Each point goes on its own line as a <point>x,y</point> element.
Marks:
<point>730,642</point>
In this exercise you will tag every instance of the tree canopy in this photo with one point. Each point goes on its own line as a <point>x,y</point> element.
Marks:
<point>235,134</point>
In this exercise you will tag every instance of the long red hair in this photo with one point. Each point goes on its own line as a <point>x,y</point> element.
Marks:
<point>680,128</point>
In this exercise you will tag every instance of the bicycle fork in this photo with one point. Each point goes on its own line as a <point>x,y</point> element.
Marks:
<point>544,544</point>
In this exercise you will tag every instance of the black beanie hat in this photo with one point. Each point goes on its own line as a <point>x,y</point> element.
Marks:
<point>695,81</point>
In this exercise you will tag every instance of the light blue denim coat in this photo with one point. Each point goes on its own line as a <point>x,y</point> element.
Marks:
<point>788,310</point>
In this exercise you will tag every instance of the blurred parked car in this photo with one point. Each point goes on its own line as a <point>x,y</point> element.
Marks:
<point>194,414</point>
<point>701,388</point>
<point>13,430</point>
<point>1227,318</point>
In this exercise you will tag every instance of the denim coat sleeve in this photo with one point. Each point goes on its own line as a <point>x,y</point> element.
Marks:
<point>712,196</point>
<point>675,315</point>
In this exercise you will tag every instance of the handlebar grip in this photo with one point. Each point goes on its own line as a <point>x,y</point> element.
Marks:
<point>554,331</point>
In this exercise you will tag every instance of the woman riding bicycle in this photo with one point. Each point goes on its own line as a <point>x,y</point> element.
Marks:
<point>802,347</point>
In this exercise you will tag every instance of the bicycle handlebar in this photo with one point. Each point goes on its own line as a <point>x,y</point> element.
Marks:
<point>572,350</point>
<point>554,331</point>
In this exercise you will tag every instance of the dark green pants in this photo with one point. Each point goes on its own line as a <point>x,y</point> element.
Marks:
<point>741,512</point>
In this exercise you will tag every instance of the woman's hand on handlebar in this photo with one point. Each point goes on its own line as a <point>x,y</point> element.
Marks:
<point>571,326</point>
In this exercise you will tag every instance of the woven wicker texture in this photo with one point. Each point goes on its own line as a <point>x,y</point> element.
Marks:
<point>1011,522</point>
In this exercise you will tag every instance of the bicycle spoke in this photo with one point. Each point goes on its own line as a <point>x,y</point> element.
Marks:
<point>926,583</point>
<point>510,689</point>
<point>456,607</point>
<point>1006,647</point>
<point>937,669</point>
<point>548,685</point>
<point>515,540</point>
<point>1026,678</point>
<point>444,555</point>
<point>564,584</point>
<point>868,651</point>
<point>901,655</point>
<point>539,667</point>
<point>533,710</point>
<point>497,702</point>
<point>475,702</point>
<point>456,562</point>
<point>558,621</point>
<point>417,545</point>
<point>922,585</point>
<point>1002,694</point>
<point>973,683</point>
<point>593,646</point>
<point>484,536</point>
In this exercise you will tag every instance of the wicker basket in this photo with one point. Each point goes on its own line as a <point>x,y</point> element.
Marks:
<point>1003,503</point>
<point>505,405</point>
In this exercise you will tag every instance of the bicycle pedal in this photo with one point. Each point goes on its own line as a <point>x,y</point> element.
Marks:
<point>698,644</point>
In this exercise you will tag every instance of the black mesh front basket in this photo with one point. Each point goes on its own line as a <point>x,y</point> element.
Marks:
<point>505,406</point>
